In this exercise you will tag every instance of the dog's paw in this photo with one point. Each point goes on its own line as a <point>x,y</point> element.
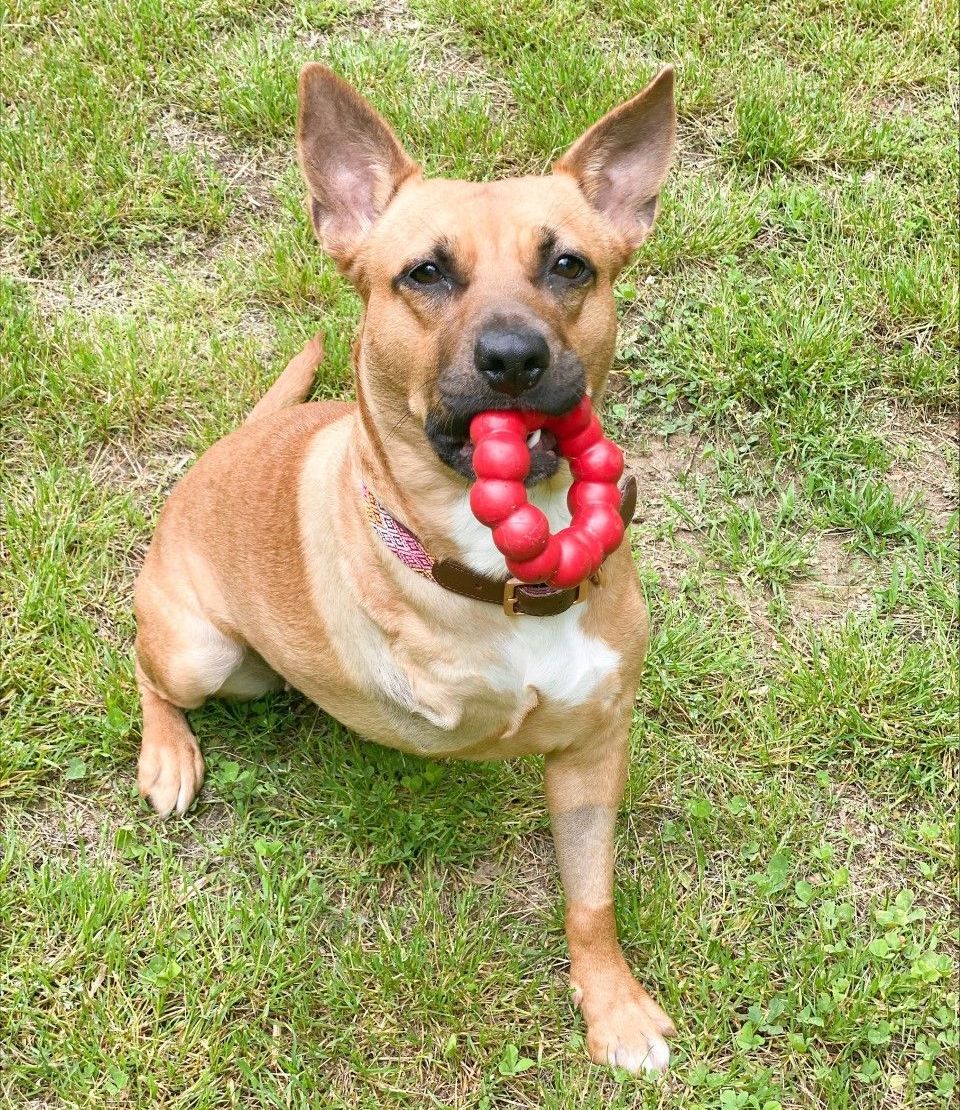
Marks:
<point>627,1032</point>
<point>170,775</point>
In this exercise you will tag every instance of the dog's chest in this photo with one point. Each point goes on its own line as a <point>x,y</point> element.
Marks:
<point>553,656</point>
<point>519,691</point>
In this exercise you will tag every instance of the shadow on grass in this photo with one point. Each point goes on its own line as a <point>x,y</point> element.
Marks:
<point>281,761</point>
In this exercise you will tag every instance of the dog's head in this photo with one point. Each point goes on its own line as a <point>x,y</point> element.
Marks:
<point>481,295</point>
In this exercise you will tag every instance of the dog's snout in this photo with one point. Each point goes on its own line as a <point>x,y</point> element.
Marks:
<point>511,359</point>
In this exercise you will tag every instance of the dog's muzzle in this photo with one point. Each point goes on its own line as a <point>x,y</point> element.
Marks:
<point>543,383</point>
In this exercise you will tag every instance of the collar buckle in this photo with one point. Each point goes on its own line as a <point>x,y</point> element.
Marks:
<point>510,597</point>
<point>511,603</point>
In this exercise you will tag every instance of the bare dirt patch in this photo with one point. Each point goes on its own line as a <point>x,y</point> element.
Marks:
<point>102,827</point>
<point>253,177</point>
<point>118,465</point>
<point>662,467</point>
<point>839,583</point>
<point>60,829</point>
<point>389,17</point>
<point>698,145</point>
<point>925,463</point>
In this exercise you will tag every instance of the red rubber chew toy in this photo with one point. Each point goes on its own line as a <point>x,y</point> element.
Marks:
<point>521,532</point>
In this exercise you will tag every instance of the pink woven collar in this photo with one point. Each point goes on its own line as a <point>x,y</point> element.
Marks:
<point>395,536</point>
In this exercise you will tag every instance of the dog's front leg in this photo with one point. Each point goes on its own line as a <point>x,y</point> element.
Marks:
<point>625,1027</point>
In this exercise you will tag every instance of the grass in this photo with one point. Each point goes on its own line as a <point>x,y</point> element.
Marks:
<point>339,925</point>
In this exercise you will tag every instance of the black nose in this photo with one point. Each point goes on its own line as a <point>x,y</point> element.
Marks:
<point>511,359</point>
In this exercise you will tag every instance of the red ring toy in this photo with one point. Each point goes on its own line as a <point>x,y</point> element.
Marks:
<point>521,531</point>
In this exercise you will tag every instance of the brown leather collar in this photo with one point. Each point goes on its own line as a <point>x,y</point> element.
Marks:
<point>538,600</point>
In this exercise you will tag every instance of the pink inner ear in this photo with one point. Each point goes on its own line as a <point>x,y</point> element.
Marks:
<point>351,160</point>
<point>627,192</point>
<point>351,193</point>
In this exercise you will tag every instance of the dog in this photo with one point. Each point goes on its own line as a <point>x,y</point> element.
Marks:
<point>330,546</point>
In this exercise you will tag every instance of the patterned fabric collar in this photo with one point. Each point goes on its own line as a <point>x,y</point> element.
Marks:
<point>395,536</point>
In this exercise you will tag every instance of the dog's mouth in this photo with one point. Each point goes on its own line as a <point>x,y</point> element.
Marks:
<point>461,394</point>
<point>450,439</point>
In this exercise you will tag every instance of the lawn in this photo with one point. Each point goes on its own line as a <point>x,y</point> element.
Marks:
<point>338,925</point>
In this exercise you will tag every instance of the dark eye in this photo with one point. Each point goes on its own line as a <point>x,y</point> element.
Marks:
<point>569,266</point>
<point>425,273</point>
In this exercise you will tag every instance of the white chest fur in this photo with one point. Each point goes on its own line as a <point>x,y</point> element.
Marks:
<point>551,654</point>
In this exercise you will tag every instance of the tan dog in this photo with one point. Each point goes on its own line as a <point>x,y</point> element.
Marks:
<point>265,567</point>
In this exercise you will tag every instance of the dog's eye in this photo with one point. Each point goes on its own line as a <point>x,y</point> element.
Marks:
<point>425,273</point>
<point>569,266</point>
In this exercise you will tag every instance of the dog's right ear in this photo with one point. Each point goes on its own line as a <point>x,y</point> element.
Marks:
<point>351,161</point>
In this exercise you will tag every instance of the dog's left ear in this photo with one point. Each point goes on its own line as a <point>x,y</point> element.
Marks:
<point>351,160</point>
<point>622,161</point>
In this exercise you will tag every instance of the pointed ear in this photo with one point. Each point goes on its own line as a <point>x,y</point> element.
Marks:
<point>622,161</point>
<point>351,160</point>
